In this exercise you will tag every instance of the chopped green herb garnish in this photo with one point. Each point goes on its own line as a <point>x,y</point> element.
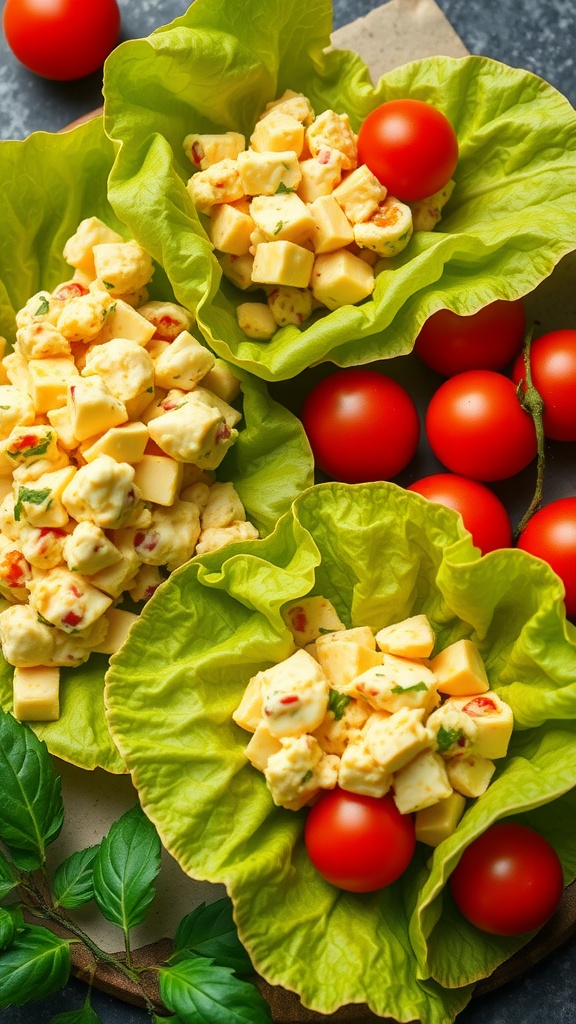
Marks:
<point>409,689</point>
<point>283,189</point>
<point>306,777</point>
<point>337,703</point>
<point>446,738</point>
<point>44,621</point>
<point>43,308</point>
<point>31,497</point>
<point>278,227</point>
<point>108,284</point>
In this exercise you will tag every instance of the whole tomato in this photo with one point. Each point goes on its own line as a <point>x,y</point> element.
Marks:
<point>483,514</point>
<point>361,425</point>
<point>410,146</point>
<point>61,39</point>
<point>486,340</point>
<point>477,428</point>
<point>553,370</point>
<point>550,534</point>
<point>359,843</point>
<point>508,881</point>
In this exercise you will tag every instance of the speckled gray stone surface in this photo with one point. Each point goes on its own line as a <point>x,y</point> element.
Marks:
<point>534,34</point>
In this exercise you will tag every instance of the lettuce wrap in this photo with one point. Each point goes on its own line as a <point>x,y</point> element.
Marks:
<point>48,184</point>
<point>379,553</point>
<point>509,221</point>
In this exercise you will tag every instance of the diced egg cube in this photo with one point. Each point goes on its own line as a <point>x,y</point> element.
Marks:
<point>411,638</point>
<point>263,174</point>
<point>470,774</point>
<point>359,194</point>
<point>310,617</point>
<point>438,821</point>
<point>420,783</point>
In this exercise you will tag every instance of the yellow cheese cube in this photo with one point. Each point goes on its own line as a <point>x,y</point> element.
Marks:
<point>319,175</point>
<point>343,661</point>
<point>16,368</point>
<point>119,622</point>
<point>36,694</point>
<point>222,381</point>
<point>411,638</point>
<point>125,443</point>
<point>340,278</point>
<point>421,783</point>
<point>282,263</point>
<point>183,363</point>
<point>207,149</point>
<point>261,746</point>
<point>92,409</point>
<point>359,194</point>
<point>248,714</point>
<point>470,774</point>
<point>238,269</point>
<point>256,320</point>
<point>277,132</point>
<point>49,380</point>
<point>362,635</point>
<point>283,216</point>
<point>394,740</point>
<point>231,226</point>
<point>60,420</point>
<point>310,617</point>
<point>459,669</point>
<point>493,721</point>
<point>333,230</point>
<point>159,478</point>
<point>78,248</point>
<point>262,174</point>
<point>123,321</point>
<point>435,823</point>
<point>41,504</point>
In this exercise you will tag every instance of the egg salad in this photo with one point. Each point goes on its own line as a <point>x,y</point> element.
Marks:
<point>375,713</point>
<point>113,421</point>
<point>295,214</point>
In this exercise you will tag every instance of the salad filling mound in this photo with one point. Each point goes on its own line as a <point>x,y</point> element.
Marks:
<point>113,421</point>
<point>376,713</point>
<point>298,214</point>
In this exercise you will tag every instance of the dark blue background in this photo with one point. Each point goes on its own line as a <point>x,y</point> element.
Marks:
<point>538,35</point>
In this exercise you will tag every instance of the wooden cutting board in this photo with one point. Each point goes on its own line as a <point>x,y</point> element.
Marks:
<point>397,32</point>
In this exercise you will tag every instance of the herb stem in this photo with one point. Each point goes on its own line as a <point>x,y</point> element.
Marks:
<point>531,401</point>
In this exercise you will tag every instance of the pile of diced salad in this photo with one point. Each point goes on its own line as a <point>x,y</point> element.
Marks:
<point>296,215</point>
<point>372,713</point>
<point>113,420</point>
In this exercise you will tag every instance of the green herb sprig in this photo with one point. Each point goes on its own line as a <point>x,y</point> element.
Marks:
<point>205,978</point>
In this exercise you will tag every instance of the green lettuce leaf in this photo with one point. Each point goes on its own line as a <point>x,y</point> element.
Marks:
<point>48,184</point>
<point>509,221</point>
<point>379,553</point>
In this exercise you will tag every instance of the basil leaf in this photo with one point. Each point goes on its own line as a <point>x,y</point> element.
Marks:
<point>32,496</point>
<point>44,306</point>
<point>199,990</point>
<point>73,879</point>
<point>86,1015</point>
<point>31,809</point>
<point>11,922</point>
<point>125,867</point>
<point>7,880</point>
<point>337,703</point>
<point>210,931</point>
<point>37,963</point>
<point>446,738</point>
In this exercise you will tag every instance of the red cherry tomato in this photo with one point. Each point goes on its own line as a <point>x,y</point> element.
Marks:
<point>477,427</point>
<point>508,881</point>
<point>361,426</point>
<point>359,843</point>
<point>553,369</point>
<point>484,515</point>
<point>410,146</point>
<point>551,535</point>
<point>61,39</point>
<point>486,340</point>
